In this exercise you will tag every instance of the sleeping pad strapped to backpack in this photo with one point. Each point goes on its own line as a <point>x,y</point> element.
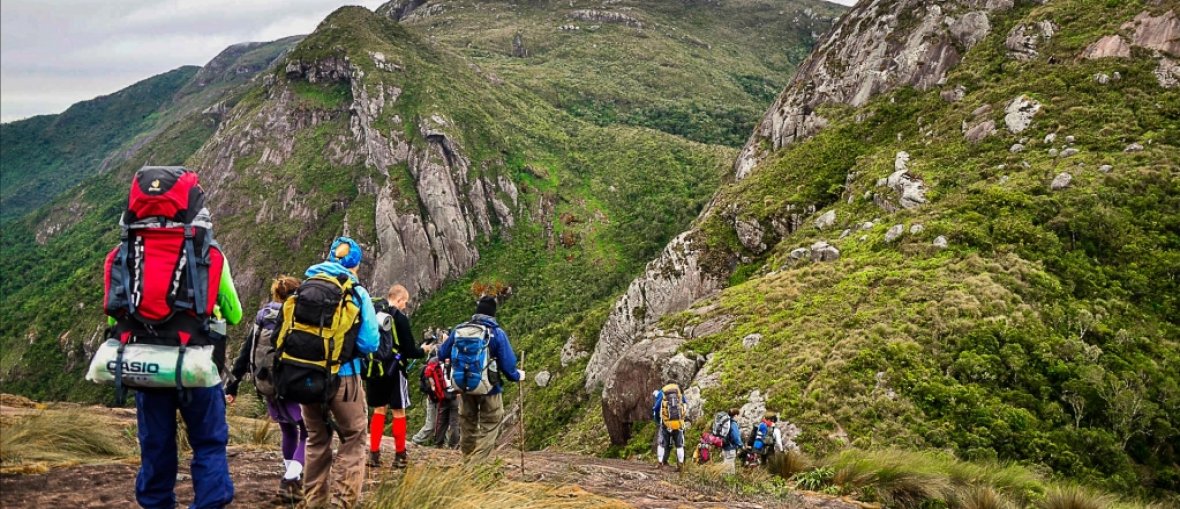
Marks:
<point>160,285</point>
<point>672,408</point>
<point>317,334</point>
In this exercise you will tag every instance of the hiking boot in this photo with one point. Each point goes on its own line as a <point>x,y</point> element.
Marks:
<point>374,459</point>
<point>291,490</point>
<point>400,460</point>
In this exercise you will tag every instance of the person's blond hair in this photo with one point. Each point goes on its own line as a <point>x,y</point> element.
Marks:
<point>397,290</point>
<point>282,287</point>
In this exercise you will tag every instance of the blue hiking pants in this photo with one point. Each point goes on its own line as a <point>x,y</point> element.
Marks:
<point>203,412</point>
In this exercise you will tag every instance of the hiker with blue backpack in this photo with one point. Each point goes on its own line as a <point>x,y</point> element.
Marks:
<point>325,328</point>
<point>726,427</point>
<point>257,359</point>
<point>479,353</point>
<point>668,413</point>
<point>386,383</point>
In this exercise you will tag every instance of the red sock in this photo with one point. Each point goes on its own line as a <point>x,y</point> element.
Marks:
<point>399,434</point>
<point>376,429</point>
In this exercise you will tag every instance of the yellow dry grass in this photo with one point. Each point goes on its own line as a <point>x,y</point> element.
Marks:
<point>462,488</point>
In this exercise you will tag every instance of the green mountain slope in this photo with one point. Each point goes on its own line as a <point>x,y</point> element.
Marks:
<point>46,155</point>
<point>447,172</point>
<point>701,70</point>
<point>995,279</point>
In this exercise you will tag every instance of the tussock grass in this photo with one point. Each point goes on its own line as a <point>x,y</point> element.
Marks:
<point>252,433</point>
<point>462,488</point>
<point>36,440</point>
<point>789,463</point>
<point>1076,497</point>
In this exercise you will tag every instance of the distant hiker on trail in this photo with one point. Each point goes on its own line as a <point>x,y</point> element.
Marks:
<point>479,353</point>
<point>767,437</point>
<point>668,413</point>
<point>326,326</point>
<point>257,359</point>
<point>726,426</point>
<point>425,435</point>
<point>446,429</point>
<point>168,294</point>
<point>387,386</point>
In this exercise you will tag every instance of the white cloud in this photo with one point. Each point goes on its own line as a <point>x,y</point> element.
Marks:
<point>53,54</point>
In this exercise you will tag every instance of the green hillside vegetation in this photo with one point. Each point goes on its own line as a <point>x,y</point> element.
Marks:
<point>46,155</point>
<point>594,176</point>
<point>702,70</point>
<point>1046,333</point>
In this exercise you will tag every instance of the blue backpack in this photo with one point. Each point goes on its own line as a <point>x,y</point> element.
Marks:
<point>472,368</point>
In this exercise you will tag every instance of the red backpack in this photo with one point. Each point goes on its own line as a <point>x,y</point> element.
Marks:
<point>161,281</point>
<point>436,380</point>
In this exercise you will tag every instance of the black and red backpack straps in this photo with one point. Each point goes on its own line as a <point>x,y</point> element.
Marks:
<point>166,270</point>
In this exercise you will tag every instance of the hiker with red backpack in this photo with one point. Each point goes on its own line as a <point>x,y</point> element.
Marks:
<point>766,437</point>
<point>389,388</point>
<point>325,328</point>
<point>256,359</point>
<point>479,353</point>
<point>168,295</point>
<point>446,429</point>
<point>668,413</point>
<point>425,435</point>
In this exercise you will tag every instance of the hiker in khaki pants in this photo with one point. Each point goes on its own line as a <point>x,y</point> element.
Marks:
<point>340,481</point>
<point>348,409</point>
<point>480,415</point>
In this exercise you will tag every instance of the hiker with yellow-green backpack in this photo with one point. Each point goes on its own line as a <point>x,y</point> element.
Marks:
<point>325,328</point>
<point>668,413</point>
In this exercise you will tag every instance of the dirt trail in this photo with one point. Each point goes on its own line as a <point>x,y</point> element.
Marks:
<point>256,473</point>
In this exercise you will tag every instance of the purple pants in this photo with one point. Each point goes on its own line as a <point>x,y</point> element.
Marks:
<point>291,425</point>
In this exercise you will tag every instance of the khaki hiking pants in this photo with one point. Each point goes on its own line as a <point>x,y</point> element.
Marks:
<point>348,409</point>
<point>479,425</point>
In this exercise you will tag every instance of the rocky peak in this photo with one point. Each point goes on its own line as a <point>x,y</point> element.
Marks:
<point>876,47</point>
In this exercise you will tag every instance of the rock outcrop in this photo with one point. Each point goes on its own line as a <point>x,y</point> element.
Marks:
<point>599,16</point>
<point>420,240</point>
<point>1019,114</point>
<point>645,367</point>
<point>1023,40</point>
<point>670,283</point>
<point>867,54</point>
<point>1160,33</point>
<point>1111,46</point>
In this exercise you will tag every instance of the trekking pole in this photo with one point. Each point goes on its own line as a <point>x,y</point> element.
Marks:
<point>520,388</point>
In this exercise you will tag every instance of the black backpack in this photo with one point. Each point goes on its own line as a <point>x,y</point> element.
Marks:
<point>385,359</point>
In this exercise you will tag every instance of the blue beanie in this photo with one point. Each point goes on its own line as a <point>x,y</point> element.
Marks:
<point>350,260</point>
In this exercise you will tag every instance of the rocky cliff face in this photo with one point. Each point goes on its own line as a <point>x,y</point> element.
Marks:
<point>876,47</point>
<point>430,205</point>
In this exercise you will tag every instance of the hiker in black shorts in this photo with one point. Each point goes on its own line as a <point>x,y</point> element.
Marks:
<point>392,391</point>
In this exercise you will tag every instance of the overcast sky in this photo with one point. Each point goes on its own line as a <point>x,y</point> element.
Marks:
<point>54,53</point>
